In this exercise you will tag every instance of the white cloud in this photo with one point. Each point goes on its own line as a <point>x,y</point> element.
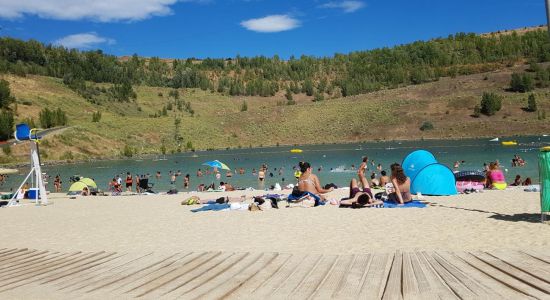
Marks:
<point>273,23</point>
<point>83,40</point>
<point>96,10</point>
<point>346,6</point>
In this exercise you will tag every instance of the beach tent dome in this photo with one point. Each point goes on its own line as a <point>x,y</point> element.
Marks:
<point>89,182</point>
<point>77,187</point>
<point>427,175</point>
<point>436,180</point>
<point>416,161</point>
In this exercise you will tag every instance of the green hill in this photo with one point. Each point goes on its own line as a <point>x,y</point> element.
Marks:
<point>149,106</point>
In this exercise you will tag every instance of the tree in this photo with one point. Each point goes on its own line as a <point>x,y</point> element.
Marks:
<point>5,94</point>
<point>308,87</point>
<point>6,125</point>
<point>531,103</point>
<point>96,117</point>
<point>244,106</point>
<point>490,103</point>
<point>288,94</point>
<point>427,126</point>
<point>521,83</point>
<point>477,111</point>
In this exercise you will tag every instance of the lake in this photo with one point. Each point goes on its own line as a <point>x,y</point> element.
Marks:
<point>339,157</point>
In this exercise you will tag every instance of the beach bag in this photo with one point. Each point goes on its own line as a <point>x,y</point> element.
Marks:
<point>191,201</point>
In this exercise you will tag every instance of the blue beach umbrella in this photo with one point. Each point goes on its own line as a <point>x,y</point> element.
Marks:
<point>216,164</point>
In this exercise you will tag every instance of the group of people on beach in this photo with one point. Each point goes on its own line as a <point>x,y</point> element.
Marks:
<point>360,190</point>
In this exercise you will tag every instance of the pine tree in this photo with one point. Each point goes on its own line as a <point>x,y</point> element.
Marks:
<point>531,103</point>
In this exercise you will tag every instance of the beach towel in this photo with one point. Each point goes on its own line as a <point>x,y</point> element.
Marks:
<point>414,203</point>
<point>212,207</point>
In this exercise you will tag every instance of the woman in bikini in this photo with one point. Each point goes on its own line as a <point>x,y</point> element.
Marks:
<point>401,184</point>
<point>360,197</point>
<point>309,183</point>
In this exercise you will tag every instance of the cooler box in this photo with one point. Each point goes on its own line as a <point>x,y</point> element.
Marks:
<point>31,194</point>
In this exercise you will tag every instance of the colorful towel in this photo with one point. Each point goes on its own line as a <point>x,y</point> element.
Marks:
<point>414,203</point>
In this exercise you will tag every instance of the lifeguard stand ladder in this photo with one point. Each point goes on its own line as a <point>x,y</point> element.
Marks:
<point>24,133</point>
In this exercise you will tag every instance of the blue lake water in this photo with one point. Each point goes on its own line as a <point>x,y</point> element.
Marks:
<point>339,157</point>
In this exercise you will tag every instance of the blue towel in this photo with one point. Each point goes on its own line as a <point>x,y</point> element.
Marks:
<point>213,207</point>
<point>414,203</point>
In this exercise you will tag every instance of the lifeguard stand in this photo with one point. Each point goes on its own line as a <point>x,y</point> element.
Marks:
<point>24,133</point>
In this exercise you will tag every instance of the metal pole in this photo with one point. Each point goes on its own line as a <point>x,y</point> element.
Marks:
<point>548,15</point>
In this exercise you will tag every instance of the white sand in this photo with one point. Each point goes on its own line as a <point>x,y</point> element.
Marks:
<point>486,221</point>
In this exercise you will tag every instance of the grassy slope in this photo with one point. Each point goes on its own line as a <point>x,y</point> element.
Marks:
<point>219,123</point>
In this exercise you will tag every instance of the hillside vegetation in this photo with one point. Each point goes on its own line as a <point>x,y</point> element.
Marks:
<point>112,112</point>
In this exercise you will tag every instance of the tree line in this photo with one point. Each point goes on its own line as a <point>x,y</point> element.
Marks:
<point>340,75</point>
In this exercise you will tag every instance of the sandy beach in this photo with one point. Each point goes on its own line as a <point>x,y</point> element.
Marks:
<point>480,246</point>
<point>483,221</point>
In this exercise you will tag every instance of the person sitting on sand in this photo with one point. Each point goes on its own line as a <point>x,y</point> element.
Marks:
<point>517,181</point>
<point>309,183</point>
<point>360,197</point>
<point>384,179</point>
<point>375,182</point>
<point>527,181</point>
<point>495,177</point>
<point>401,184</point>
<point>85,191</point>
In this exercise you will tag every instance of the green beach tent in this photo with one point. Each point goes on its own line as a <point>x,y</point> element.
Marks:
<point>89,182</point>
<point>77,187</point>
<point>544,171</point>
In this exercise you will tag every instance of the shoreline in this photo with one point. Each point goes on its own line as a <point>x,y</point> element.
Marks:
<point>151,155</point>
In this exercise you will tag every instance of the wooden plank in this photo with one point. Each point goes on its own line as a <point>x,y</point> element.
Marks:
<point>410,283</point>
<point>376,276</point>
<point>280,277</point>
<point>437,285</point>
<point>178,271</point>
<point>134,287</point>
<point>264,276</point>
<point>392,290</point>
<point>223,274</point>
<point>425,290</point>
<point>477,289</point>
<point>350,285</point>
<point>41,266</point>
<point>42,273</point>
<point>334,278</point>
<point>524,262</point>
<point>122,279</point>
<point>537,255</point>
<point>514,272</point>
<point>84,280</point>
<point>83,269</point>
<point>315,279</point>
<point>16,256</point>
<point>21,264</point>
<point>452,282</point>
<point>194,284</point>
<point>493,287</point>
<point>234,283</point>
<point>295,279</point>
<point>504,278</point>
<point>15,271</point>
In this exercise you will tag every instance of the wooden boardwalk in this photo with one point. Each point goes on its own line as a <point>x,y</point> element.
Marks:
<point>36,274</point>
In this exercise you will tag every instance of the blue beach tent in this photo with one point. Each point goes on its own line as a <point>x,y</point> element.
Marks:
<point>416,161</point>
<point>428,176</point>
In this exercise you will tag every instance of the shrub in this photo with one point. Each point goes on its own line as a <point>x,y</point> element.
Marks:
<point>521,83</point>
<point>477,111</point>
<point>244,106</point>
<point>52,118</point>
<point>426,126</point>
<point>128,151</point>
<point>5,94</point>
<point>7,150</point>
<point>96,117</point>
<point>531,103</point>
<point>490,103</point>
<point>6,124</point>
<point>318,97</point>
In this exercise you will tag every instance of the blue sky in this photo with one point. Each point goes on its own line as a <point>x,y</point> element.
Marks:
<point>216,28</point>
